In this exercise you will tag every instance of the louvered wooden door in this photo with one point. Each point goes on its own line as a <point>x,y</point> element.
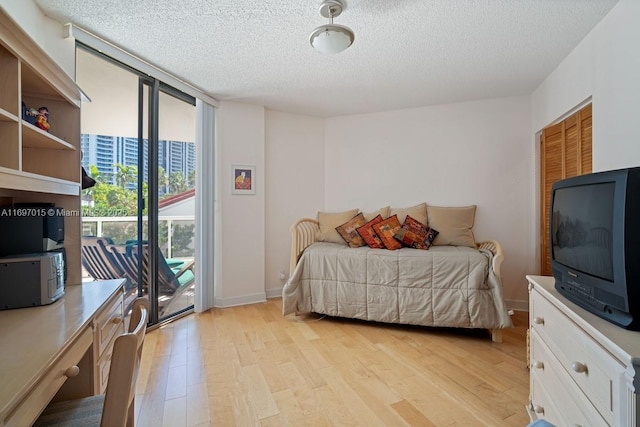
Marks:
<point>565,151</point>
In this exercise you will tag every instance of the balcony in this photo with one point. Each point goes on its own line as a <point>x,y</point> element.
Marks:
<point>176,242</point>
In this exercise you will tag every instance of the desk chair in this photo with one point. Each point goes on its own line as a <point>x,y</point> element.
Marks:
<point>115,408</point>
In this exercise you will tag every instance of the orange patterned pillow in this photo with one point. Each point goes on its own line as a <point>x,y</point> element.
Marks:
<point>415,235</point>
<point>349,231</point>
<point>369,236</point>
<point>386,229</point>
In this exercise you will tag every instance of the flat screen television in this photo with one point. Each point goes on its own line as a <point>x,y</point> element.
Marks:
<point>595,243</point>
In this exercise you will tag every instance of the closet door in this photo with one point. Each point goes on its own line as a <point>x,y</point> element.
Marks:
<point>565,151</point>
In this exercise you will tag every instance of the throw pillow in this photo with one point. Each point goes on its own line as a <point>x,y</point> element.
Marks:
<point>415,235</point>
<point>454,225</point>
<point>349,231</point>
<point>369,236</point>
<point>328,222</point>
<point>384,212</point>
<point>386,229</point>
<point>418,212</point>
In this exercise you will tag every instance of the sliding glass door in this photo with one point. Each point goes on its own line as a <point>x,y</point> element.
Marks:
<point>169,193</point>
<point>138,143</point>
<point>175,191</point>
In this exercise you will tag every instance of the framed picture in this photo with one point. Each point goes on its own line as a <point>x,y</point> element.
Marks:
<point>244,179</point>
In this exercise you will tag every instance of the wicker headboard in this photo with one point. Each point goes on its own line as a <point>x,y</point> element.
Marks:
<point>303,233</point>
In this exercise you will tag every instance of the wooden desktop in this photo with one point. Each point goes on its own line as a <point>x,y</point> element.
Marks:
<point>58,351</point>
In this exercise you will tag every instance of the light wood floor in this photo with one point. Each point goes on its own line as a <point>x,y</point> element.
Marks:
<point>250,366</point>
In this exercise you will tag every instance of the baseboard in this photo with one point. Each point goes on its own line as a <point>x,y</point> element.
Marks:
<point>518,305</point>
<point>274,293</point>
<point>241,300</point>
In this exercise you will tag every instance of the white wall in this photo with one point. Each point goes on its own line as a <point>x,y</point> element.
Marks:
<point>294,185</point>
<point>447,155</point>
<point>605,66</point>
<point>240,138</point>
<point>46,32</point>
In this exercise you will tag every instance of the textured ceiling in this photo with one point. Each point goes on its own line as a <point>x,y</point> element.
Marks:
<point>407,53</point>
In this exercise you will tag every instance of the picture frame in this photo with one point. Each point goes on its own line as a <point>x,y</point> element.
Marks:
<point>243,179</point>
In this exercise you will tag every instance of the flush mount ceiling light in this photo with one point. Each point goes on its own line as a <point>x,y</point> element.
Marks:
<point>331,38</point>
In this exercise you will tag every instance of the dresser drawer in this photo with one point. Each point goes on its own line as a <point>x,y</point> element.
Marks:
<point>108,324</point>
<point>548,374</point>
<point>542,405</point>
<point>28,410</point>
<point>102,369</point>
<point>596,372</point>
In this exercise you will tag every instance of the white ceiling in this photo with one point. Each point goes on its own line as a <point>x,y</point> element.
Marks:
<point>407,53</point>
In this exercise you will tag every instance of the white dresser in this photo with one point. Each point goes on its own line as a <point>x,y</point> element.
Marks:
<point>585,371</point>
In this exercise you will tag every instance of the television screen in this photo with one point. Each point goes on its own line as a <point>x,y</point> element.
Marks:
<point>582,224</point>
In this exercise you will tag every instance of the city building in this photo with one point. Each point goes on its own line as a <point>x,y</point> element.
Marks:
<point>105,151</point>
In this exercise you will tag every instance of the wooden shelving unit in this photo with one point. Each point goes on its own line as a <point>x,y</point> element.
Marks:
<point>34,137</point>
<point>6,116</point>
<point>35,165</point>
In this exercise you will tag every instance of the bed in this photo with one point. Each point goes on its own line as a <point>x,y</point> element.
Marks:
<point>445,286</point>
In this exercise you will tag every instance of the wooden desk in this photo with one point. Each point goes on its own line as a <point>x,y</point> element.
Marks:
<point>40,346</point>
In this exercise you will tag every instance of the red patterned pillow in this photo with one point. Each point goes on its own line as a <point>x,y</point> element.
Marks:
<point>369,236</point>
<point>386,229</point>
<point>349,232</point>
<point>414,234</point>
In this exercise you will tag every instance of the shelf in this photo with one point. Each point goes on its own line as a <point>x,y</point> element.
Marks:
<point>6,116</point>
<point>37,166</point>
<point>25,181</point>
<point>34,137</point>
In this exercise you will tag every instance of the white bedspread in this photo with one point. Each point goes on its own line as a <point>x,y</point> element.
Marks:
<point>445,286</point>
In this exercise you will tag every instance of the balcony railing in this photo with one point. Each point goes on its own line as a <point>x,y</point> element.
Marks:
<point>175,237</point>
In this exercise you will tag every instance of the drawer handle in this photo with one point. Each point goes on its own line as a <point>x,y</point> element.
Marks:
<point>580,368</point>
<point>538,320</point>
<point>72,371</point>
<point>538,364</point>
<point>538,409</point>
<point>116,320</point>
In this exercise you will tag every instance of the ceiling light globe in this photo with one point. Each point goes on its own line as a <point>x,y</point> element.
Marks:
<point>331,38</point>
